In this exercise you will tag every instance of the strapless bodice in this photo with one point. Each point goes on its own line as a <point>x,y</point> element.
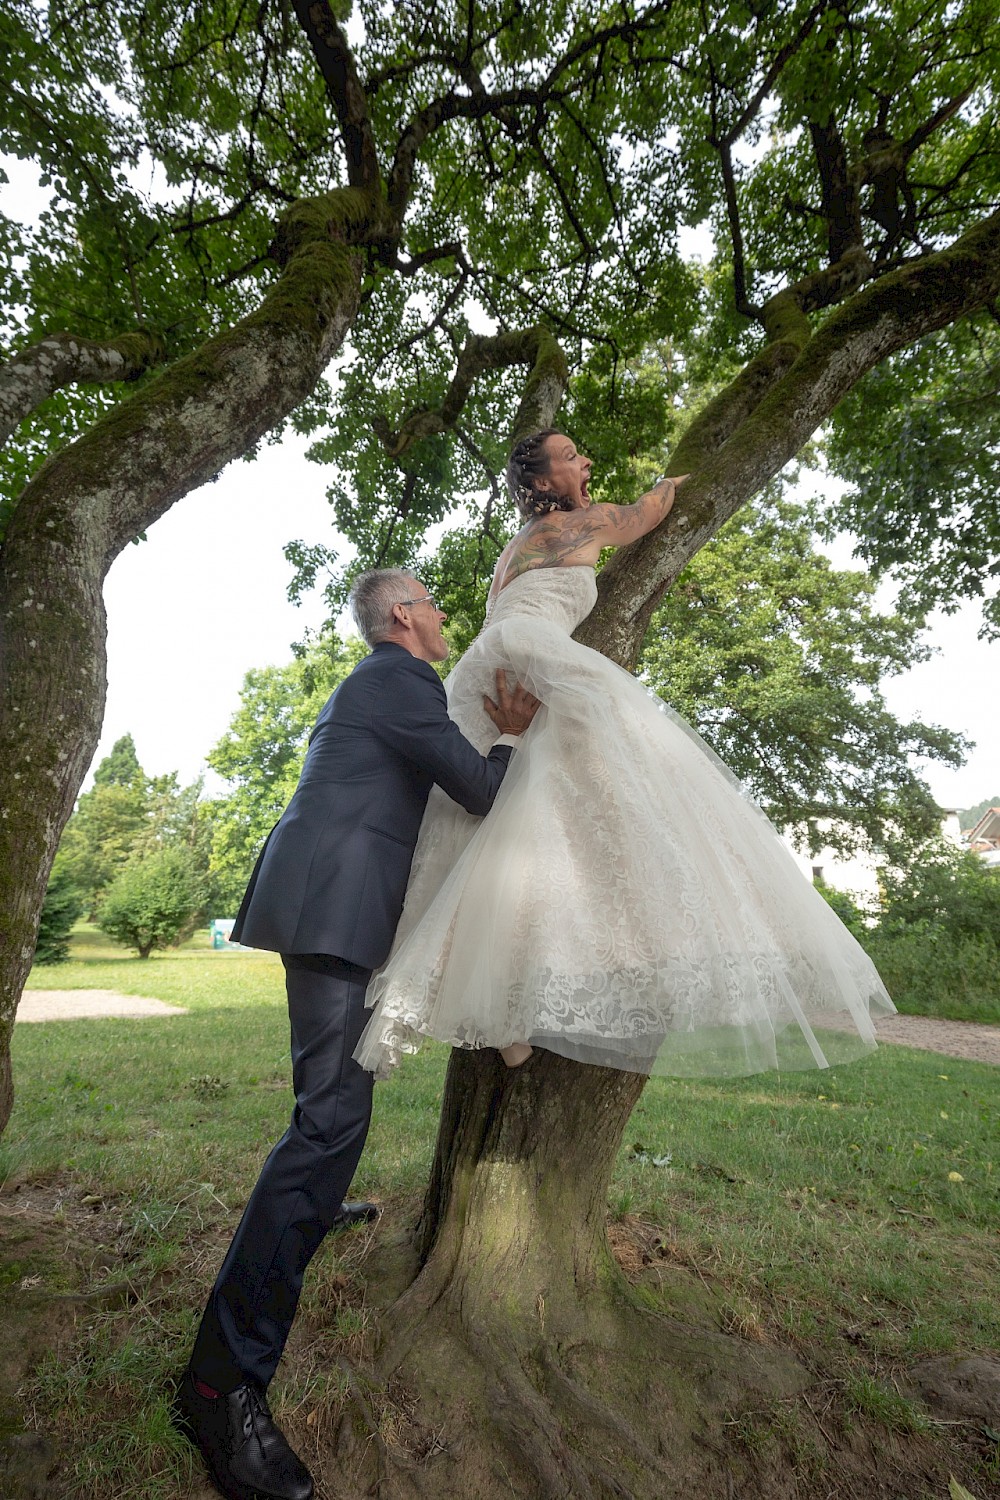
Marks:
<point>562,596</point>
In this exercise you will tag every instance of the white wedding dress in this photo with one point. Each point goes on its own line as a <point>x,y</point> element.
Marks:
<point>624,902</point>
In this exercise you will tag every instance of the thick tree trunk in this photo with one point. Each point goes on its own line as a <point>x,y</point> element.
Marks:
<point>535,1367</point>
<point>89,501</point>
<point>518,1193</point>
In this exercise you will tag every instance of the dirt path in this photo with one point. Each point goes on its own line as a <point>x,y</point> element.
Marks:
<point>71,1005</point>
<point>965,1039</point>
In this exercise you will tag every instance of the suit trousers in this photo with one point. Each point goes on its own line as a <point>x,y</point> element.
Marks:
<point>303,1182</point>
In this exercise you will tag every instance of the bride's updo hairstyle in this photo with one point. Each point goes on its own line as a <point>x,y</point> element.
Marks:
<point>528,462</point>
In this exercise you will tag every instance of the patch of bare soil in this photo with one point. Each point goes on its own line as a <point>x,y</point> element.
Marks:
<point>966,1039</point>
<point>52,1248</point>
<point>75,1005</point>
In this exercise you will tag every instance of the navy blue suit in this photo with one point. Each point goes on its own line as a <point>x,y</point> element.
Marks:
<point>326,894</point>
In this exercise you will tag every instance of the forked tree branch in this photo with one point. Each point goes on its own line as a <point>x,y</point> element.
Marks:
<point>543,390</point>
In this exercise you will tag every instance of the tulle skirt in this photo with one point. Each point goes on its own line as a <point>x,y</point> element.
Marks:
<point>625,903</point>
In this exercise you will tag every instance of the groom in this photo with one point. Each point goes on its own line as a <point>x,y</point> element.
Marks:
<point>326,894</point>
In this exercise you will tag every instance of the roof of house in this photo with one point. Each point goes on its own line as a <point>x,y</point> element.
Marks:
<point>987,830</point>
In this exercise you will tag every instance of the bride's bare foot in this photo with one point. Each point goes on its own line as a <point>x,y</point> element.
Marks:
<point>516,1054</point>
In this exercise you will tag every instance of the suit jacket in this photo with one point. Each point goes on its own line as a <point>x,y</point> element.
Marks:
<point>332,875</point>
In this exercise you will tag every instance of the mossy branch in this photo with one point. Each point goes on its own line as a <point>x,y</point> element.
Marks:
<point>543,392</point>
<point>211,406</point>
<point>878,320</point>
<point>62,359</point>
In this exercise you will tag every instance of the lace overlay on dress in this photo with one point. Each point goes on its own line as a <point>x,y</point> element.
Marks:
<point>625,902</point>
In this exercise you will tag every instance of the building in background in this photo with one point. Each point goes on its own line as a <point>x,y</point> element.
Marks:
<point>984,838</point>
<point>857,874</point>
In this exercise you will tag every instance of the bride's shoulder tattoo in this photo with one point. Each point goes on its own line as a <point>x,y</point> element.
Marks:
<point>551,543</point>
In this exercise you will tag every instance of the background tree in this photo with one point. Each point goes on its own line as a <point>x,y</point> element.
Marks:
<point>155,901</point>
<point>481,198</point>
<point>63,906</point>
<point>127,814</point>
<point>107,823</point>
<point>261,754</point>
<point>778,658</point>
<point>120,767</point>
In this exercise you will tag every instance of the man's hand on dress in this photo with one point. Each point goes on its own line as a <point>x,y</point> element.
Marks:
<point>514,709</point>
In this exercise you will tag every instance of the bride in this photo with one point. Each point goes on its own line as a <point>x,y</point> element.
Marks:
<point>625,902</point>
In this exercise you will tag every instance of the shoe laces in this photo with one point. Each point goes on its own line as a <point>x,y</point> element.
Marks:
<point>255,1404</point>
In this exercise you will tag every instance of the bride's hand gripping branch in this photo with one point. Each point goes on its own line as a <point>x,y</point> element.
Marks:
<point>663,494</point>
<point>618,525</point>
<point>515,707</point>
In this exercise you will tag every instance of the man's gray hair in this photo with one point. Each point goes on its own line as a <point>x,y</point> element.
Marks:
<point>372,596</point>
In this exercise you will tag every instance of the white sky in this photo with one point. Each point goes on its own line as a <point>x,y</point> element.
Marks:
<point>203,600</point>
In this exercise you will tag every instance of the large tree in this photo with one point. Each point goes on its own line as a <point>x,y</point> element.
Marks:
<point>469,201</point>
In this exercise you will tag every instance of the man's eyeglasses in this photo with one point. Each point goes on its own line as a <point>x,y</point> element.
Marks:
<point>424,599</point>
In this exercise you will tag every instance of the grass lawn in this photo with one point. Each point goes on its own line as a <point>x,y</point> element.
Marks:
<point>851,1212</point>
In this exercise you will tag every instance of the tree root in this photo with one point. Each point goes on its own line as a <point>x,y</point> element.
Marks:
<point>599,1414</point>
<point>531,1429</point>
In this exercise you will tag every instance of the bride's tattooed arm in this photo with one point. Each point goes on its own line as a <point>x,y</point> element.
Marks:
<point>562,539</point>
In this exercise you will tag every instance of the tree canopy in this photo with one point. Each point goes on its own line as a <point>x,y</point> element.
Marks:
<point>538,173</point>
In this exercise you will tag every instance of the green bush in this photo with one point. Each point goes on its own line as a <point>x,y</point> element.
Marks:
<point>63,905</point>
<point>936,943</point>
<point>847,910</point>
<point>928,974</point>
<point>155,901</point>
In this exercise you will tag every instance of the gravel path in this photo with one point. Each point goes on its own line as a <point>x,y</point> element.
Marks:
<point>71,1005</point>
<point>966,1039</point>
<point>952,1038</point>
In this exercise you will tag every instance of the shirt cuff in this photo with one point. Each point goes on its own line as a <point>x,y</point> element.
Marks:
<point>513,740</point>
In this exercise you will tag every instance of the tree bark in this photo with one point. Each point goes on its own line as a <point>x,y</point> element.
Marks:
<point>535,1367</point>
<point>88,502</point>
<point>64,359</point>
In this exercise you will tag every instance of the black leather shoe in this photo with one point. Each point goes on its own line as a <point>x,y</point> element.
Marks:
<point>247,1456</point>
<point>354,1213</point>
